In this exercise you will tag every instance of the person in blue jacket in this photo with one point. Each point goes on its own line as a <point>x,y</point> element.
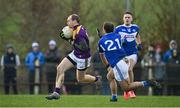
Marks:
<point>172,55</point>
<point>34,60</point>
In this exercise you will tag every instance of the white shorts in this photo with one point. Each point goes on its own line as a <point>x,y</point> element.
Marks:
<point>121,71</point>
<point>81,64</point>
<point>133,56</point>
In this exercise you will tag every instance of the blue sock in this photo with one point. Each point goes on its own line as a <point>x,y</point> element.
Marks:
<point>145,83</point>
<point>114,97</point>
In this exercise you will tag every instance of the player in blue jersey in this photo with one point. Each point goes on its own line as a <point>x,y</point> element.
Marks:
<point>79,57</point>
<point>113,57</point>
<point>131,43</point>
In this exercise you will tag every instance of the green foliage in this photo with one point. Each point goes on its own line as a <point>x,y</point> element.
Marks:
<point>25,21</point>
<point>158,20</point>
<point>94,13</point>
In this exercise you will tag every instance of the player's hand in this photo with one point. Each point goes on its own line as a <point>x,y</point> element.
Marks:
<point>70,41</point>
<point>61,34</point>
<point>63,37</point>
<point>139,47</point>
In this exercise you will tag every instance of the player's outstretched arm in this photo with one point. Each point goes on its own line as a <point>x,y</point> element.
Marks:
<point>98,32</point>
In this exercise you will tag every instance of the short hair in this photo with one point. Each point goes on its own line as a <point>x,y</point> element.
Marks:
<point>75,17</point>
<point>128,12</point>
<point>108,27</point>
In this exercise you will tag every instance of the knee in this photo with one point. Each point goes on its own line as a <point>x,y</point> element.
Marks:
<point>130,70</point>
<point>110,77</point>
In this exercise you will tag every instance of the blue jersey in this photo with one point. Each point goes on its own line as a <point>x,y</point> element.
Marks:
<point>110,45</point>
<point>128,35</point>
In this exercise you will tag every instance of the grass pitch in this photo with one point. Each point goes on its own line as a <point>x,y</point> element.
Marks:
<point>87,101</point>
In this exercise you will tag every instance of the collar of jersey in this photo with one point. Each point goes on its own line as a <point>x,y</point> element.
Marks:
<point>108,34</point>
<point>127,26</point>
<point>76,30</point>
<point>75,27</point>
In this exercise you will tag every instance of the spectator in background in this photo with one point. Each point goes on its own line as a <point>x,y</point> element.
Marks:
<point>153,60</point>
<point>9,62</point>
<point>159,70</point>
<point>153,66</point>
<point>159,65</point>
<point>172,55</point>
<point>172,60</point>
<point>53,58</point>
<point>148,61</point>
<point>32,57</point>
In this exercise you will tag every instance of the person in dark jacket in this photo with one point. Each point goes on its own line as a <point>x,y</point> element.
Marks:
<point>53,58</point>
<point>9,63</point>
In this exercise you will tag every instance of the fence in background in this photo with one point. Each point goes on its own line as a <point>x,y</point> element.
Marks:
<point>167,75</point>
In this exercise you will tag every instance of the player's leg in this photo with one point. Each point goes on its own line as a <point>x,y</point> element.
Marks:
<point>61,68</point>
<point>113,86</point>
<point>126,86</point>
<point>121,75</point>
<point>130,71</point>
<point>132,62</point>
<point>82,68</point>
<point>65,64</point>
<point>130,93</point>
<point>83,77</point>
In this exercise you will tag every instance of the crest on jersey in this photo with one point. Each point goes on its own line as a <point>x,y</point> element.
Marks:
<point>129,30</point>
<point>133,30</point>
